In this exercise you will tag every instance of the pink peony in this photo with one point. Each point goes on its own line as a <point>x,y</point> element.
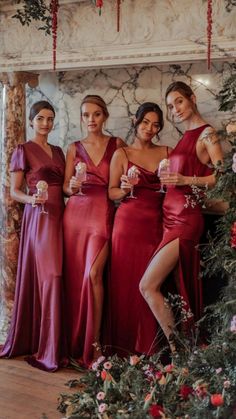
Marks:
<point>101,395</point>
<point>102,408</point>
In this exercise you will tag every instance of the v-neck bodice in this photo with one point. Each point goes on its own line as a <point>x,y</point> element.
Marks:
<point>38,165</point>
<point>96,174</point>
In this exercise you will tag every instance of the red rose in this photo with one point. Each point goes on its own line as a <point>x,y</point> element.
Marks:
<point>156,411</point>
<point>185,391</point>
<point>217,400</point>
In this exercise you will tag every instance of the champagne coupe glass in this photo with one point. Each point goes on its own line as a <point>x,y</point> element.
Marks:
<point>42,192</point>
<point>164,167</point>
<point>133,178</point>
<point>81,175</point>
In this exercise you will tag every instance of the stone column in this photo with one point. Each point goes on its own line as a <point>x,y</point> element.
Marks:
<point>12,133</point>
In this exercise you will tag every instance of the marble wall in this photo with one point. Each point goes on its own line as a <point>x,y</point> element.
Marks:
<point>123,90</point>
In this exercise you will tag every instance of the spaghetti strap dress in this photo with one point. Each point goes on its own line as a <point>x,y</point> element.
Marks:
<point>36,327</point>
<point>87,228</point>
<point>183,220</point>
<point>137,231</point>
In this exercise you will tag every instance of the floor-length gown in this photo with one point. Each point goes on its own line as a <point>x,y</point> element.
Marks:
<point>183,219</point>
<point>36,325</point>
<point>87,228</point>
<point>137,231</point>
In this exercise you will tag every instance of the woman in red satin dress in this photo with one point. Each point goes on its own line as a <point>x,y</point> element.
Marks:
<point>36,326</point>
<point>87,223</point>
<point>136,234</point>
<point>182,216</point>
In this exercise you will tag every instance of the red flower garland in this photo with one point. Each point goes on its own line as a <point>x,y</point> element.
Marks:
<point>99,3</point>
<point>54,6</point>
<point>118,14</point>
<point>209,32</point>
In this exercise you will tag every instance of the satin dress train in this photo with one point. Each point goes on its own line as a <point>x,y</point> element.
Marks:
<point>131,327</point>
<point>87,228</point>
<point>36,327</point>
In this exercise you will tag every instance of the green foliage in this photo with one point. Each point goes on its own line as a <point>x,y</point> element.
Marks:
<point>34,10</point>
<point>220,255</point>
<point>227,94</point>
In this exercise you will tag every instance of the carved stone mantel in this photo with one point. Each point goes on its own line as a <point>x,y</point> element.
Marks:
<point>152,32</point>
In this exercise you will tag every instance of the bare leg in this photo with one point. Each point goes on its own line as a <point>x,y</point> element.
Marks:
<point>160,266</point>
<point>96,277</point>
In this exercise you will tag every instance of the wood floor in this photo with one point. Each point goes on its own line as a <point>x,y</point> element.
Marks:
<point>29,393</point>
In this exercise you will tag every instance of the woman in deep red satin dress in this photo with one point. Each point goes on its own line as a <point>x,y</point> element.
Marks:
<point>136,234</point>
<point>87,229</point>
<point>182,216</point>
<point>36,326</point>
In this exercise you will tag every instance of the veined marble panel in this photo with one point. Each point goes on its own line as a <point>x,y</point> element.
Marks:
<point>123,90</point>
<point>150,32</point>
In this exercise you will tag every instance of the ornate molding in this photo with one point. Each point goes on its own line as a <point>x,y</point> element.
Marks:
<point>151,33</point>
<point>163,53</point>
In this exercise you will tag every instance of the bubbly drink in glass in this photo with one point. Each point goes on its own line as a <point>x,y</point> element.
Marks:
<point>81,175</point>
<point>164,167</point>
<point>133,179</point>
<point>42,192</point>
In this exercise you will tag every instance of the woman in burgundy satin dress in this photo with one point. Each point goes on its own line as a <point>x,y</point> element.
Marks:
<point>87,222</point>
<point>182,216</point>
<point>136,234</point>
<point>36,328</point>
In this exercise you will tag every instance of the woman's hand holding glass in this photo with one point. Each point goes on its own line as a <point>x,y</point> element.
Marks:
<point>132,180</point>
<point>80,177</point>
<point>41,196</point>
<point>163,172</point>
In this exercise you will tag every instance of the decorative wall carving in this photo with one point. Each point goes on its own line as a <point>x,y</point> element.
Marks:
<point>151,32</point>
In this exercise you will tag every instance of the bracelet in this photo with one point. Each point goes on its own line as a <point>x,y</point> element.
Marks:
<point>194,181</point>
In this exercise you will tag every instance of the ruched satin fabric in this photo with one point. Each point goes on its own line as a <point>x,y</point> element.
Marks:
<point>130,324</point>
<point>87,227</point>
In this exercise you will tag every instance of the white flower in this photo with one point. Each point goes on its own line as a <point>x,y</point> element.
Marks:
<point>107,365</point>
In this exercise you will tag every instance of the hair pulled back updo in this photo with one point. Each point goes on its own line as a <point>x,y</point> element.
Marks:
<point>38,106</point>
<point>96,100</point>
<point>146,108</point>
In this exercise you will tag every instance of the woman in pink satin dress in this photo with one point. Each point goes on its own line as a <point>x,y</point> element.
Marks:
<point>36,326</point>
<point>136,234</point>
<point>87,223</point>
<point>182,216</point>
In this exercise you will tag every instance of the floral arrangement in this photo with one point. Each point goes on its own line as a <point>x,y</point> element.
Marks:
<point>199,382</point>
<point>196,384</point>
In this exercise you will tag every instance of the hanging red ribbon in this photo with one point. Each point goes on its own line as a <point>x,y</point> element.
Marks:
<point>99,3</point>
<point>209,32</point>
<point>118,14</point>
<point>54,6</point>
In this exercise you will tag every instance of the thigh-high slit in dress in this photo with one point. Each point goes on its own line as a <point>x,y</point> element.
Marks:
<point>183,220</point>
<point>87,228</point>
